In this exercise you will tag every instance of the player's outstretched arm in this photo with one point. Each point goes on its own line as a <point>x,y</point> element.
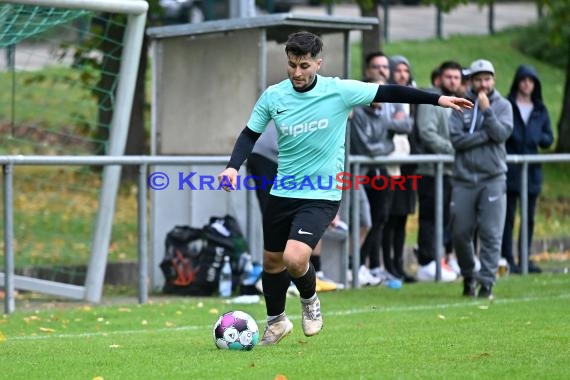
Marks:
<point>394,93</point>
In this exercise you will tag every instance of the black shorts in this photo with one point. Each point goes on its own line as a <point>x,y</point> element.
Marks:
<point>304,220</point>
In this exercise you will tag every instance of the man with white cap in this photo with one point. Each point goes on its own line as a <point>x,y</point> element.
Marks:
<point>478,200</point>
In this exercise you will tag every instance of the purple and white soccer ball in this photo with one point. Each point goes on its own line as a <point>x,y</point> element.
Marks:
<point>236,330</point>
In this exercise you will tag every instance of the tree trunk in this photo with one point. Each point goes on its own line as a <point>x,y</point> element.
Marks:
<point>371,39</point>
<point>563,142</point>
<point>136,139</point>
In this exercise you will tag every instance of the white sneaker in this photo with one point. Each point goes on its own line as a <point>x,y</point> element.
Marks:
<point>366,278</point>
<point>427,273</point>
<point>454,265</point>
<point>381,274</point>
<point>276,331</point>
<point>312,320</point>
<point>386,278</point>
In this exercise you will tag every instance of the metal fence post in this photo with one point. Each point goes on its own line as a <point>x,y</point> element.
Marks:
<point>524,219</point>
<point>9,302</point>
<point>438,219</point>
<point>355,228</point>
<point>143,234</point>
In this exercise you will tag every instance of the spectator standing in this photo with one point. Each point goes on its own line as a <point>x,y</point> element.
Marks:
<point>433,135</point>
<point>478,197</point>
<point>404,200</point>
<point>531,130</point>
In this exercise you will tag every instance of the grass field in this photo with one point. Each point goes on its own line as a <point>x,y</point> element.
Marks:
<point>421,331</point>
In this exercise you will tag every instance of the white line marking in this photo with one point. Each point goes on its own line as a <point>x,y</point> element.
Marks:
<point>371,309</point>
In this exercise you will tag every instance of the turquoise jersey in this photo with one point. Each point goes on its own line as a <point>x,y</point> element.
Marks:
<point>311,129</point>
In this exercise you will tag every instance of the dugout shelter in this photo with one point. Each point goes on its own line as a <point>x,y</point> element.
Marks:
<point>206,79</point>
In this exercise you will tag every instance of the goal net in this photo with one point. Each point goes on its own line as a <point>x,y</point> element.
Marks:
<point>66,73</point>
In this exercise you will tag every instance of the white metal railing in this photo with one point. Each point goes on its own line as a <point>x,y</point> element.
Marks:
<point>74,291</point>
<point>354,163</point>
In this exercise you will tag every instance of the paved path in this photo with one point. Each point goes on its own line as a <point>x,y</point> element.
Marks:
<point>419,22</point>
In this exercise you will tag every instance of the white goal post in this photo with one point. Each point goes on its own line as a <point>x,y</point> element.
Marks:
<point>136,12</point>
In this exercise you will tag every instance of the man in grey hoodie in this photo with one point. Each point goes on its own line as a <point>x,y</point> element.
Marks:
<point>478,199</point>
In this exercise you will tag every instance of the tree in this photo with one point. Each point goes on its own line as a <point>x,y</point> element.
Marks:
<point>371,39</point>
<point>557,17</point>
<point>558,26</point>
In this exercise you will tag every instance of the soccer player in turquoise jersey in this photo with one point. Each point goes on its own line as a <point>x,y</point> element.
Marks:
<point>310,113</point>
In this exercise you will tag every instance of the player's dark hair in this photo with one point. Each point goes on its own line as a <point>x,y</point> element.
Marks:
<point>302,43</point>
<point>370,56</point>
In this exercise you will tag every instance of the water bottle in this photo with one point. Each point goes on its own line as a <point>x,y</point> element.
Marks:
<point>247,270</point>
<point>225,284</point>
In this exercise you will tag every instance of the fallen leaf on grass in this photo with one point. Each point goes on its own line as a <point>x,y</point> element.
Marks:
<point>213,311</point>
<point>124,310</point>
<point>483,307</point>
<point>46,330</point>
<point>114,346</point>
<point>31,318</point>
<point>280,377</point>
<point>2,337</point>
<point>98,378</point>
<point>480,355</point>
<point>441,316</point>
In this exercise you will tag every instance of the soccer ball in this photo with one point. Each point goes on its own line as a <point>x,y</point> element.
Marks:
<point>236,330</point>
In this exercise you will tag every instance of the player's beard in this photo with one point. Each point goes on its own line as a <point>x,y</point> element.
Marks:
<point>305,84</point>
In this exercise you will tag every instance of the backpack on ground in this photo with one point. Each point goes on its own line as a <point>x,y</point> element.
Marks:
<point>193,257</point>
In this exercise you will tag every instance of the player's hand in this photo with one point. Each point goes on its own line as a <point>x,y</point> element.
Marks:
<point>483,100</point>
<point>454,102</point>
<point>228,176</point>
